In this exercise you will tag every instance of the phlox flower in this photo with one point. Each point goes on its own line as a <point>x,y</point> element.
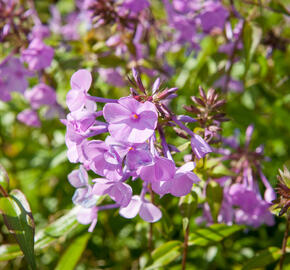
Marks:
<point>130,120</point>
<point>147,211</point>
<point>38,55</point>
<point>29,118</point>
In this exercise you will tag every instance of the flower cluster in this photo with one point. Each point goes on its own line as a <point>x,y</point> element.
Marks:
<point>132,150</point>
<point>24,24</point>
<point>242,201</point>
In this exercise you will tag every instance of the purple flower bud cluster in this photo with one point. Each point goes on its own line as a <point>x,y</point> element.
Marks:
<point>242,200</point>
<point>135,148</point>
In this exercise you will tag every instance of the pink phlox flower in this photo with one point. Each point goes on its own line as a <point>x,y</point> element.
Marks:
<point>102,159</point>
<point>77,97</point>
<point>161,169</point>
<point>40,94</point>
<point>29,118</point>
<point>180,184</point>
<point>13,77</point>
<point>130,120</point>
<point>120,192</point>
<point>147,211</point>
<point>37,55</point>
<point>134,156</point>
<point>88,216</point>
<point>199,146</point>
<point>83,195</point>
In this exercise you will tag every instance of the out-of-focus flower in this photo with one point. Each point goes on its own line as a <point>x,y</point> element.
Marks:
<point>41,94</point>
<point>29,118</point>
<point>38,55</point>
<point>13,77</point>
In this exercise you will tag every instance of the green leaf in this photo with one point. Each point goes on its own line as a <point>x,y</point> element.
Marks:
<point>19,221</point>
<point>278,6</point>
<point>263,258</point>
<point>71,256</point>
<point>9,252</point>
<point>62,225</point>
<point>212,234</point>
<point>214,197</point>
<point>165,254</point>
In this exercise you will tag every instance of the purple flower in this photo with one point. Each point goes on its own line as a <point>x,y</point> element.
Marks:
<point>112,76</point>
<point>213,15</point>
<point>130,120</point>
<point>13,77</point>
<point>37,55</point>
<point>147,211</point>
<point>199,147</point>
<point>80,83</point>
<point>180,184</point>
<point>88,216</point>
<point>29,118</point>
<point>133,6</point>
<point>162,169</point>
<point>120,192</point>
<point>102,160</point>
<point>41,94</point>
<point>83,195</point>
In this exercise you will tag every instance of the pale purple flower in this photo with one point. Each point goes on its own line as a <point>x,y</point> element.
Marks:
<point>40,31</point>
<point>88,216</point>
<point>37,55</point>
<point>80,83</point>
<point>83,195</point>
<point>147,211</point>
<point>130,120</point>
<point>29,118</point>
<point>199,147</point>
<point>120,192</point>
<point>13,77</point>
<point>162,169</point>
<point>180,184</point>
<point>213,15</point>
<point>112,76</point>
<point>41,94</point>
<point>102,160</point>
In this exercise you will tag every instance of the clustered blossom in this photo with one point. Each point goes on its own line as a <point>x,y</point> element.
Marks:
<point>131,150</point>
<point>242,201</point>
<point>187,17</point>
<point>25,25</point>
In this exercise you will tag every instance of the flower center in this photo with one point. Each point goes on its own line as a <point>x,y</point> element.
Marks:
<point>135,116</point>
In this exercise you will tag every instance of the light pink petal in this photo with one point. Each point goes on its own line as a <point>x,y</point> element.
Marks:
<point>149,212</point>
<point>132,209</point>
<point>75,99</point>
<point>187,167</point>
<point>82,80</point>
<point>101,186</point>
<point>87,215</point>
<point>121,193</point>
<point>130,104</point>
<point>115,113</point>
<point>181,185</point>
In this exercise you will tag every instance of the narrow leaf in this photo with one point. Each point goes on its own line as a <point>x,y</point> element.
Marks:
<point>212,234</point>
<point>71,256</point>
<point>263,258</point>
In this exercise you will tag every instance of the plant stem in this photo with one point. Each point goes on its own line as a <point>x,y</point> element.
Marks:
<point>185,246</point>
<point>150,238</point>
<point>284,243</point>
